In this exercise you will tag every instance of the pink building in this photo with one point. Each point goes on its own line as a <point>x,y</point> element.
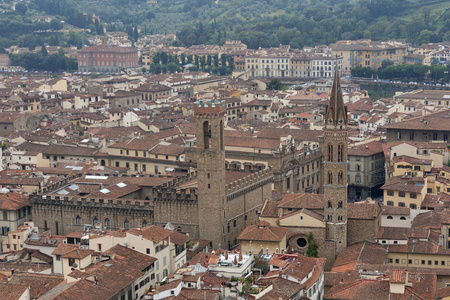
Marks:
<point>107,59</point>
<point>4,60</point>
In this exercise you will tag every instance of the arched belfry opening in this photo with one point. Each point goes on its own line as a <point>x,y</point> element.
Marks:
<point>221,135</point>
<point>206,135</point>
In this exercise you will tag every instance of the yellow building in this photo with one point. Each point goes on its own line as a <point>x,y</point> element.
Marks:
<point>407,164</point>
<point>405,191</point>
<point>263,236</point>
<point>366,53</point>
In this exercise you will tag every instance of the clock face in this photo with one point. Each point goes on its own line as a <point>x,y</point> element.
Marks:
<point>330,121</point>
<point>341,121</point>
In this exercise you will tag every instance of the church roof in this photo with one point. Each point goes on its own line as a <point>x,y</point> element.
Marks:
<point>263,232</point>
<point>299,201</point>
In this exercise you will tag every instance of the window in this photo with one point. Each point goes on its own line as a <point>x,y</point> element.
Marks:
<point>413,195</point>
<point>330,152</point>
<point>390,217</point>
<point>126,224</point>
<point>401,194</point>
<point>402,218</point>
<point>413,206</point>
<point>399,135</point>
<point>390,193</point>
<point>390,203</point>
<point>78,220</point>
<point>330,177</point>
<point>107,223</point>
<point>340,153</point>
<point>94,221</point>
<point>411,136</point>
<point>358,178</point>
<point>401,204</point>
<point>136,168</point>
<point>234,223</point>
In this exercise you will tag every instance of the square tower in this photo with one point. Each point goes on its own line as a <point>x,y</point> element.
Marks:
<point>209,120</point>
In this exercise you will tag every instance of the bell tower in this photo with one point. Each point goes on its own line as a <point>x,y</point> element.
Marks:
<point>209,120</point>
<point>335,145</point>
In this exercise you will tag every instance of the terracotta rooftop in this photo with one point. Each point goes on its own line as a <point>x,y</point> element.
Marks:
<point>263,232</point>
<point>299,201</point>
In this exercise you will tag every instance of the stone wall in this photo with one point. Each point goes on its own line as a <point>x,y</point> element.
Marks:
<point>59,214</point>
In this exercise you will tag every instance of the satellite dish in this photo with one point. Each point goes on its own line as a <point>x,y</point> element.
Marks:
<point>75,265</point>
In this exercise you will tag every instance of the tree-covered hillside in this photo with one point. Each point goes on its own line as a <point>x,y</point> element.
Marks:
<point>263,23</point>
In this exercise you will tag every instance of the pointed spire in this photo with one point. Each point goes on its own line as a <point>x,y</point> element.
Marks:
<point>336,113</point>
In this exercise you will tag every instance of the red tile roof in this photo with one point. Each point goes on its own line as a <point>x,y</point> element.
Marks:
<point>263,232</point>
<point>13,201</point>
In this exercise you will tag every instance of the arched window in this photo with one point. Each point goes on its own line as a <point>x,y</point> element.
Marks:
<point>340,153</point>
<point>330,205</point>
<point>45,226</point>
<point>340,204</point>
<point>206,135</point>
<point>179,228</point>
<point>340,177</point>
<point>330,177</point>
<point>144,223</point>
<point>221,135</point>
<point>126,224</point>
<point>102,162</point>
<point>94,221</point>
<point>330,152</point>
<point>330,218</point>
<point>78,220</point>
<point>107,223</point>
<point>390,217</point>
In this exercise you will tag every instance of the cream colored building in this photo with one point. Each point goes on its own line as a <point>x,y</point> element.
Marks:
<point>151,240</point>
<point>405,191</point>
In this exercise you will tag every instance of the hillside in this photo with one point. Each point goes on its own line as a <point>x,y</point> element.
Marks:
<point>258,23</point>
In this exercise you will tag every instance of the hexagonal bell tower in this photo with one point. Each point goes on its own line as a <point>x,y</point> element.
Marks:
<point>209,118</point>
<point>335,144</point>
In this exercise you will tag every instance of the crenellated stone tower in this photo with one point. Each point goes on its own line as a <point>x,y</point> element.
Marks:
<point>209,118</point>
<point>335,143</point>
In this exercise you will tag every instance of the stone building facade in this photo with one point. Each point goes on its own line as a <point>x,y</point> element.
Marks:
<point>225,202</point>
<point>62,215</point>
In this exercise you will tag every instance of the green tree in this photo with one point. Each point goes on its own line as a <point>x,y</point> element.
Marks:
<point>311,251</point>
<point>275,84</point>
<point>164,58</point>
<point>183,58</point>
<point>21,8</point>
<point>216,60</point>
<point>196,60</point>
<point>223,59</point>
<point>209,60</point>
<point>135,33</point>
<point>43,50</point>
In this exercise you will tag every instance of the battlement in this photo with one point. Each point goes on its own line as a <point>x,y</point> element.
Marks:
<point>164,193</point>
<point>247,182</point>
<point>59,184</point>
<point>209,107</point>
<point>90,202</point>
